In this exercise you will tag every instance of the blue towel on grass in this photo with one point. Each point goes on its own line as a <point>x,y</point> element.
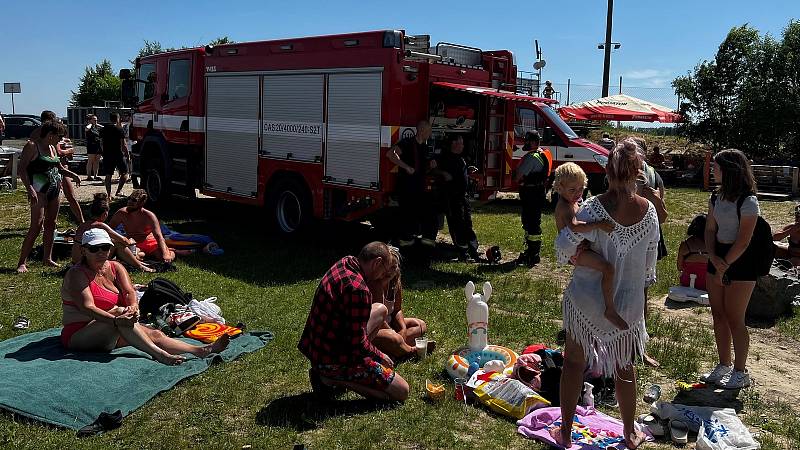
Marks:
<point>42,380</point>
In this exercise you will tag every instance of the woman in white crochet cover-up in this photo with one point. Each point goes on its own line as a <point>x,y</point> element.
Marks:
<point>632,249</point>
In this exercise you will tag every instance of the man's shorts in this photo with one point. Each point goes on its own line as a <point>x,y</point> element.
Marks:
<point>149,245</point>
<point>111,163</point>
<point>371,373</point>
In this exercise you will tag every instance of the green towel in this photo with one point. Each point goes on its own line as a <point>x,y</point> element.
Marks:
<point>42,380</point>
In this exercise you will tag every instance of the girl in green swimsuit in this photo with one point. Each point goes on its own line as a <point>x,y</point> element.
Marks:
<point>41,172</point>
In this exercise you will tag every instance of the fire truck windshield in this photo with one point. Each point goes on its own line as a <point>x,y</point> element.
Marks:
<point>558,122</point>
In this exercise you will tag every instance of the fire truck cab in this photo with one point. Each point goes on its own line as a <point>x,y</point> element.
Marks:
<point>302,126</point>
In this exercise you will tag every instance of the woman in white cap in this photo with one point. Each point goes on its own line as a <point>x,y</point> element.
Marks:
<point>101,311</point>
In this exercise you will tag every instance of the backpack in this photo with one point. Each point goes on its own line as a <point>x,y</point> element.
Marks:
<point>552,362</point>
<point>160,292</point>
<point>761,250</point>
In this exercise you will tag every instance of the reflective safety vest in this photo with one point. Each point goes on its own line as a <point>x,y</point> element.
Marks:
<point>545,158</point>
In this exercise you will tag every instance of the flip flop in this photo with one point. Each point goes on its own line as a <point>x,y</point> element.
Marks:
<point>678,432</point>
<point>21,323</point>
<point>653,424</point>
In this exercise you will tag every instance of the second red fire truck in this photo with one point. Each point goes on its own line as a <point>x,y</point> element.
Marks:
<point>302,126</point>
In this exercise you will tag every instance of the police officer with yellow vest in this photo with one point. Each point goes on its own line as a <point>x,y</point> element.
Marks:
<point>532,174</point>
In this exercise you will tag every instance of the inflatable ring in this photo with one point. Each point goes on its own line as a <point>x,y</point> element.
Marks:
<point>459,361</point>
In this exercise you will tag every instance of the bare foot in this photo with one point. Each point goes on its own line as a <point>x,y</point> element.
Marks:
<point>146,268</point>
<point>562,436</point>
<point>170,360</point>
<point>634,439</point>
<point>650,361</point>
<point>614,317</point>
<point>51,263</point>
<point>22,268</point>
<point>218,346</point>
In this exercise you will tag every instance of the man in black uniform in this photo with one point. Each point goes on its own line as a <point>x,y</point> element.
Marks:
<point>454,171</point>
<point>115,153</point>
<point>532,174</point>
<point>411,155</point>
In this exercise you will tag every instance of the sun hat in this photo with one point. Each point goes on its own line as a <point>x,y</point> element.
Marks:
<point>95,236</point>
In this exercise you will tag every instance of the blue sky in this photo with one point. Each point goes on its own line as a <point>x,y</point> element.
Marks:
<point>47,45</point>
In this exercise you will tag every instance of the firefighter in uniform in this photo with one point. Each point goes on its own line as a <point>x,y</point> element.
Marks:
<point>532,175</point>
<point>454,172</point>
<point>412,156</point>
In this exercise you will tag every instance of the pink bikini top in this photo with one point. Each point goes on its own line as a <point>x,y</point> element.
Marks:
<point>104,298</point>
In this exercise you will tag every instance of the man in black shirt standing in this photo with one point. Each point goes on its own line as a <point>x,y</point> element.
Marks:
<point>115,153</point>
<point>455,172</point>
<point>411,155</point>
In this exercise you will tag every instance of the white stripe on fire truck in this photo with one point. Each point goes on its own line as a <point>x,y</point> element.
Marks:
<point>169,122</point>
<point>232,125</point>
<point>198,124</point>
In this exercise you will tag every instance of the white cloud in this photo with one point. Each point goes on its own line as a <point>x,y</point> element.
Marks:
<point>648,78</point>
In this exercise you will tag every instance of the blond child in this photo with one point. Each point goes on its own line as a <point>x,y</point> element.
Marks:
<point>570,182</point>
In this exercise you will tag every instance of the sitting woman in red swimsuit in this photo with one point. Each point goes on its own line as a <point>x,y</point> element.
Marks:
<point>101,311</point>
<point>692,256</point>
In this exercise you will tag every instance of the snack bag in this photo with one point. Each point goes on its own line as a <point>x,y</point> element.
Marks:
<point>509,397</point>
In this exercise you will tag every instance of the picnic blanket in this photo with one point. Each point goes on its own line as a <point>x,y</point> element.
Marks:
<point>42,380</point>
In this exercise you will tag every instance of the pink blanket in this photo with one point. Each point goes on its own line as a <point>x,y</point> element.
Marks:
<point>590,429</point>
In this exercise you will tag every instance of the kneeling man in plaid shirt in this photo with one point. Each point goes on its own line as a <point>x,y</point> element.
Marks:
<point>336,338</point>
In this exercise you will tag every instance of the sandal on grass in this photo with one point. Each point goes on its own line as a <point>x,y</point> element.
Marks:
<point>21,323</point>
<point>678,432</point>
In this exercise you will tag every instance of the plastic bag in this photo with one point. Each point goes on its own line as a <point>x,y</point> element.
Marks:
<point>724,431</point>
<point>509,397</point>
<point>207,310</point>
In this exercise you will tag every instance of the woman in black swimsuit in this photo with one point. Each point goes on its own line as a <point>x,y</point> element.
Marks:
<point>40,170</point>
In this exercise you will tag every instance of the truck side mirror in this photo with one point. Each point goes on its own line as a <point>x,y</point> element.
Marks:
<point>551,138</point>
<point>128,92</point>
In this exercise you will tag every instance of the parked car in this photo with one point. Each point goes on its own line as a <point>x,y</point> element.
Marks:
<point>20,126</point>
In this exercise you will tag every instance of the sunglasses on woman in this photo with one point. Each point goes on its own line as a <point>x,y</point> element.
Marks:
<point>97,248</point>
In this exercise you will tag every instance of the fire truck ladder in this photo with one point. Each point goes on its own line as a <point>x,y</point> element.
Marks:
<point>497,73</point>
<point>494,143</point>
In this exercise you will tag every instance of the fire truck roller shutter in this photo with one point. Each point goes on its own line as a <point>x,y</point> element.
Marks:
<point>232,130</point>
<point>354,129</point>
<point>292,115</point>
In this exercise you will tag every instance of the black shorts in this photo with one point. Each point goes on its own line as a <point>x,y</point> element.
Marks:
<point>94,150</point>
<point>740,270</point>
<point>118,163</point>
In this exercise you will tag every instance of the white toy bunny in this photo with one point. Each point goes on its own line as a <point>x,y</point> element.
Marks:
<point>478,316</point>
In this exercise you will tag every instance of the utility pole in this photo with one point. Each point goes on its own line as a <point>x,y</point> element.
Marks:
<point>607,48</point>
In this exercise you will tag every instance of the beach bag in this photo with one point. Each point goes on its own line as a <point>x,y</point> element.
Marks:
<point>160,292</point>
<point>761,251</point>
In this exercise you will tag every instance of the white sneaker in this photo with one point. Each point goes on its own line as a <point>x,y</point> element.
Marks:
<point>736,379</point>
<point>717,374</point>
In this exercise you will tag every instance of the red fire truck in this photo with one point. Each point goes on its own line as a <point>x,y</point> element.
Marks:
<point>302,126</point>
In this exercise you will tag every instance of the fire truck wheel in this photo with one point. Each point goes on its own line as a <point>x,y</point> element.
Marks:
<point>153,180</point>
<point>290,206</point>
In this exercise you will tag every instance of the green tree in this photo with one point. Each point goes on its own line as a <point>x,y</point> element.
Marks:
<point>788,64</point>
<point>98,84</point>
<point>742,97</point>
<point>222,40</point>
<point>155,47</point>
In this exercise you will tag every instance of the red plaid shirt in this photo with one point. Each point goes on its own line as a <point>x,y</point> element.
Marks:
<point>336,329</point>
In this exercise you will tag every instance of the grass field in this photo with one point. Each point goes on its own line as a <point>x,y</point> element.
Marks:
<point>268,281</point>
